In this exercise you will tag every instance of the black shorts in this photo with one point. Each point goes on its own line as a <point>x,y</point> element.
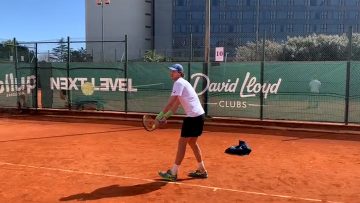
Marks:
<point>192,126</point>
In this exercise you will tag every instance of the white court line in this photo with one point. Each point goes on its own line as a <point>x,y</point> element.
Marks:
<point>177,183</point>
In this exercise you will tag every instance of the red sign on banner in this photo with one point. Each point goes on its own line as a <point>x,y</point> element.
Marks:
<point>219,54</point>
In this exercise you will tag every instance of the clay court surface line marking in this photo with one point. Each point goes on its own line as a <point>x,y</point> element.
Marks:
<point>176,183</point>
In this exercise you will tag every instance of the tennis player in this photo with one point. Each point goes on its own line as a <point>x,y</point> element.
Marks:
<point>183,93</point>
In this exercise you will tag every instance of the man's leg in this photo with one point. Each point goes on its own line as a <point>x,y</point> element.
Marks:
<point>197,152</point>
<point>181,150</point>
<point>196,149</point>
<point>172,173</point>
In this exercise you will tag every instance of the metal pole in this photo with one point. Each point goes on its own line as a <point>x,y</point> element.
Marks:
<point>36,77</point>
<point>125,73</point>
<point>15,58</point>
<point>207,52</point>
<point>348,67</point>
<point>153,25</point>
<point>68,72</point>
<point>257,29</point>
<point>191,47</point>
<point>262,78</point>
<point>102,31</point>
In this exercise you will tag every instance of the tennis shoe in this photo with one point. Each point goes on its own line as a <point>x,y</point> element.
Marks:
<point>168,175</point>
<point>198,174</point>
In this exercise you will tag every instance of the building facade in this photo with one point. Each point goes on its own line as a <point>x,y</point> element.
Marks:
<point>235,22</point>
<point>175,27</point>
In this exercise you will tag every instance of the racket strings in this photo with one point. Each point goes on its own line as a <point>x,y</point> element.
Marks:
<point>149,122</point>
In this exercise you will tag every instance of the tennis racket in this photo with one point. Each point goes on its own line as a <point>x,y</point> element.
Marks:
<point>149,122</point>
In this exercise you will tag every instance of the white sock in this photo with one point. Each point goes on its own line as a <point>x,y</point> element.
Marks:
<point>174,169</point>
<point>201,166</point>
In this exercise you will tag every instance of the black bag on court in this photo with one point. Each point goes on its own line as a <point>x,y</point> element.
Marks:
<point>241,149</point>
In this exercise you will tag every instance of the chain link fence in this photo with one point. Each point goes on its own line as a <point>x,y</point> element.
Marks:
<point>75,74</point>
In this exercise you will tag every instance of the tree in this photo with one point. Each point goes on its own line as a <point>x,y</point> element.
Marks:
<point>315,48</point>
<point>80,55</point>
<point>7,49</point>
<point>59,53</point>
<point>247,52</point>
<point>152,56</point>
<point>356,46</point>
<point>310,48</point>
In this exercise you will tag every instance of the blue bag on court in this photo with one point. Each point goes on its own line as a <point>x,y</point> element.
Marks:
<point>241,149</point>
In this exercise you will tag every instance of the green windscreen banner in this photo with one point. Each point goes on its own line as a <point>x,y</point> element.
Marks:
<point>303,91</point>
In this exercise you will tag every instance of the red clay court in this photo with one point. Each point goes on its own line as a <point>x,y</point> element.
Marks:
<point>47,159</point>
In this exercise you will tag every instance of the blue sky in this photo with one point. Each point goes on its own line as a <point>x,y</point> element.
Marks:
<point>40,20</point>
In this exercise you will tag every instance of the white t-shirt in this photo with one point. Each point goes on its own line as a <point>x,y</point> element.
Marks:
<point>187,97</point>
<point>315,86</point>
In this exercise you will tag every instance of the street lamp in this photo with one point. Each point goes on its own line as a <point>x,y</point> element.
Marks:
<point>102,2</point>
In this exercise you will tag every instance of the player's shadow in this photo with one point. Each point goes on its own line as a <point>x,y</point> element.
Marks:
<point>116,191</point>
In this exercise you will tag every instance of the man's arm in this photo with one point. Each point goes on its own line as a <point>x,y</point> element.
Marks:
<point>172,104</point>
<point>170,108</point>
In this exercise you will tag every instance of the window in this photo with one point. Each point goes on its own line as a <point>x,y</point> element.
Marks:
<point>290,28</point>
<point>340,28</point>
<point>273,15</point>
<point>273,2</point>
<point>222,15</point>
<point>273,28</point>
<point>197,15</point>
<point>224,28</point>
<point>325,3</point>
<point>307,28</point>
<point>281,28</point>
<point>324,15</point>
<point>215,28</point>
<point>307,14</point>
<point>313,3</point>
<point>290,15</point>
<point>314,28</point>
<point>290,2</point>
<point>323,28</point>
<point>231,3</point>
<point>180,2</point>
<point>239,28</point>
<point>231,28</point>
<point>341,15</point>
<point>307,2</point>
<point>180,15</point>
<point>248,15</point>
<point>218,3</point>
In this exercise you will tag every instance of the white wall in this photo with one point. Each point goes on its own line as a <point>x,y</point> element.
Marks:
<point>119,18</point>
<point>163,25</point>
